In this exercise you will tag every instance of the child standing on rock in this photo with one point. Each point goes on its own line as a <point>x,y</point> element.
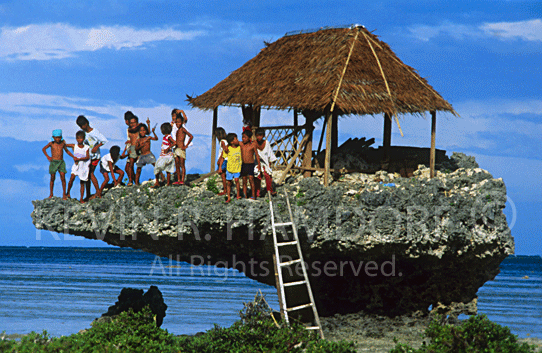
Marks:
<point>233,168</point>
<point>267,156</point>
<point>144,148</point>
<point>58,146</point>
<point>166,162</point>
<point>248,153</point>
<point>94,139</point>
<point>81,164</point>
<point>132,121</point>
<point>180,148</point>
<point>220,134</point>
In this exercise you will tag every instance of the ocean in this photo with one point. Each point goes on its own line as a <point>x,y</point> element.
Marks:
<point>62,290</point>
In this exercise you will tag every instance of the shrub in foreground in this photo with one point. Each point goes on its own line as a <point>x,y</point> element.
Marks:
<point>137,332</point>
<point>475,335</point>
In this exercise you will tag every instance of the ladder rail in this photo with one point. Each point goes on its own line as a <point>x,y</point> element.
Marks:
<point>279,265</point>
<point>278,269</point>
<point>305,274</point>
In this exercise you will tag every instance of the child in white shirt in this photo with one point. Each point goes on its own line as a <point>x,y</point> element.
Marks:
<point>107,165</point>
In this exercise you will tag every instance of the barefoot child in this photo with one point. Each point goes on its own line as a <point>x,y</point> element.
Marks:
<point>107,165</point>
<point>81,164</point>
<point>233,169</point>
<point>58,145</point>
<point>144,148</point>
<point>180,149</point>
<point>220,134</point>
<point>267,156</point>
<point>132,133</point>
<point>165,162</point>
<point>94,139</point>
<point>248,152</point>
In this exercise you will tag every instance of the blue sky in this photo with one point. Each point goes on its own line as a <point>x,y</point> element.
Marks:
<point>60,59</point>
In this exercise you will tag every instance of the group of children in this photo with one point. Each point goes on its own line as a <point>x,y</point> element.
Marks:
<point>87,155</point>
<point>247,159</point>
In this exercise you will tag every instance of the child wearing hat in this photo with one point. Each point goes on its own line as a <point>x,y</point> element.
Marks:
<point>57,145</point>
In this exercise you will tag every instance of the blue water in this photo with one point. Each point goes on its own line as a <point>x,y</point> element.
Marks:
<point>62,290</point>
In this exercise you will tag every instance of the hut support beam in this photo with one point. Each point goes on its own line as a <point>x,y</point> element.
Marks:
<point>432,152</point>
<point>335,132</point>
<point>307,157</point>
<point>213,139</point>
<point>329,119</point>
<point>387,135</point>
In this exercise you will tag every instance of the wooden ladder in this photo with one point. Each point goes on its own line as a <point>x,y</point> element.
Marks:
<point>292,285</point>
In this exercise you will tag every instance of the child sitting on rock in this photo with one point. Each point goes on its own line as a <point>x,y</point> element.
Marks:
<point>58,146</point>
<point>81,164</point>
<point>144,148</point>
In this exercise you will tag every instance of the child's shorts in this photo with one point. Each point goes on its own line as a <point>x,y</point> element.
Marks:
<point>145,159</point>
<point>247,169</point>
<point>132,153</point>
<point>231,176</point>
<point>179,152</point>
<point>164,164</point>
<point>59,165</point>
<point>224,165</point>
<point>104,171</point>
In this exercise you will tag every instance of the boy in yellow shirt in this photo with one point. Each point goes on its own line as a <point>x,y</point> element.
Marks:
<point>233,168</point>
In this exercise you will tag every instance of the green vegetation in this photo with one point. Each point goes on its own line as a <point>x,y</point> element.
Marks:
<point>475,335</point>
<point>137,332</point>
<point>211,184</point>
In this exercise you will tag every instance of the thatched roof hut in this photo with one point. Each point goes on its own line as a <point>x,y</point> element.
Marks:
<point>332,71</point>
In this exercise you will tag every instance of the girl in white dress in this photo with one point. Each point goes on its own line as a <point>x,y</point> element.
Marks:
<point>81,164</point>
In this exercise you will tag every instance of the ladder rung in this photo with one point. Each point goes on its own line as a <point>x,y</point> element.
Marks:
<point>290,262</point>
<point>312,327</point>
<point>299,307</point>
<point>294,283</point>
<point>287,243</point>
<point>283,224</point>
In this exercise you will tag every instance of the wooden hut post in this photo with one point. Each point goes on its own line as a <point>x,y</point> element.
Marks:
<point>329,119</point>
<point>432,152</point>
<point>213,140</point>
<point>335,132</point>
<point>387,136</point>
<point>256,115</point>
<point>307,156</point>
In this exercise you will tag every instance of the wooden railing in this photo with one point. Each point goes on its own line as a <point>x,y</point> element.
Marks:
<point>284,141</point>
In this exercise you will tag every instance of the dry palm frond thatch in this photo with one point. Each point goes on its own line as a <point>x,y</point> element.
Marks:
<point>311,71</point>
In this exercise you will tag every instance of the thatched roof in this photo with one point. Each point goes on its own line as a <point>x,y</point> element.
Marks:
<point>303,71</point>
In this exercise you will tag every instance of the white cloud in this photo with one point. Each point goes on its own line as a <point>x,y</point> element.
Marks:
<point>16,190</point>
<point>456,31</point>
<point>530,30</point>
<point>27,167</point>
<point>60,40</point>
